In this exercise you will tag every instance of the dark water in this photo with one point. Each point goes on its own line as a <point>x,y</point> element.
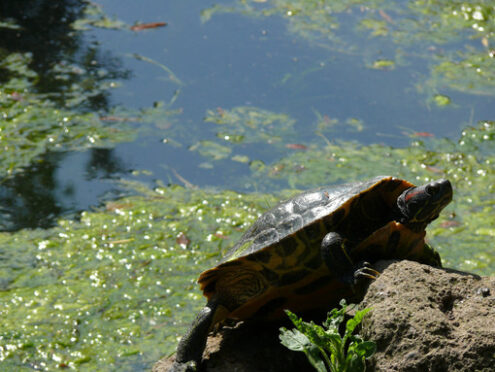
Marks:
<point>231,60</point>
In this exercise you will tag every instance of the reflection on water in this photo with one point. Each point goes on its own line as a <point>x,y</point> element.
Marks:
<point>61,57</point>
<point>43,192</point>
<point>28,200</point>
<point>65,69</point>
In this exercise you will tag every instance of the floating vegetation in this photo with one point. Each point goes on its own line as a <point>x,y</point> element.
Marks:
<point>383,64</point>
<point>171,76</point>
<point>469,72</point>
<point>106,291</point>
<point>33,125</point>
<point>240,126</point>
<point>429,29</point>
<point>250,124</point>
<point>441,100</point>
<point>326,124</point>
<point>65,108</point>
<point>94,16</point>
<point>211,149</point>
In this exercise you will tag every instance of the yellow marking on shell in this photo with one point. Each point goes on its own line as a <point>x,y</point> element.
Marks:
<point>235,285</point>
<point>240,250</point>
<point>282,263</point>
<point>322,298</point>
<point>380,238</point>
<point>276,260</point>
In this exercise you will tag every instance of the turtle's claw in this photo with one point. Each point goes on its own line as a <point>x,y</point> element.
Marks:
<point>365,272</point>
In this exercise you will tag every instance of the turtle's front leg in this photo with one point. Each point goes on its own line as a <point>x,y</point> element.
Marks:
<point>335,251</point>
<point>191,346</point>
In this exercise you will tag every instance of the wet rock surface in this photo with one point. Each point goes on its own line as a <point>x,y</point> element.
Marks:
<point>423,319</point>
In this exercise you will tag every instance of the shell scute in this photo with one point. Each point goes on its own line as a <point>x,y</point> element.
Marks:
<point>292,222</point>
<point>267,235</point>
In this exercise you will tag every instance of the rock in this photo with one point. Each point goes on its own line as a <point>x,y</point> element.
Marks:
<point>428,319</point>
<point>423,319</point>
<point>247,347</point>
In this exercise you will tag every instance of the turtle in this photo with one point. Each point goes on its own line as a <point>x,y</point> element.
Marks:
<point>308,252</point>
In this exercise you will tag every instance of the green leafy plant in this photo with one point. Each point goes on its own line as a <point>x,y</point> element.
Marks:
<point>324,347</point>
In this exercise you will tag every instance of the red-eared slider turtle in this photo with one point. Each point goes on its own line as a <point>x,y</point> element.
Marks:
<point>304,253</point>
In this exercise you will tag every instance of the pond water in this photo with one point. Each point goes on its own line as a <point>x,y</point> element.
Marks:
<point>261,97</point>
<point>229,59</point>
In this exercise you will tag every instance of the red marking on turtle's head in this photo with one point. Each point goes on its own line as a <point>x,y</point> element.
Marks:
<point>412,194</point>
<point>420,205</point>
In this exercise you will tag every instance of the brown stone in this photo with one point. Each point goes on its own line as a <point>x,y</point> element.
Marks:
<point>428,319</point>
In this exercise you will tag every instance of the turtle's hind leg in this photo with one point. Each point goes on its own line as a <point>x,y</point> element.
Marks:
<point>191,346</point>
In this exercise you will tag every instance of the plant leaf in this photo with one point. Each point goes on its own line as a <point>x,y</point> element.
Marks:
<point>293,339</point>
<point>365,349</point>
<point>355,321</point>
<point>297,341</point>
<point>354,363</point>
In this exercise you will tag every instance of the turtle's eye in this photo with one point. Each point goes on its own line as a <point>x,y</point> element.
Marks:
<point>412,204</point>
<point>430,190</point>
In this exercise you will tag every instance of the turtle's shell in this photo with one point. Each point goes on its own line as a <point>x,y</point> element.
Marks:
<point>277,262</point>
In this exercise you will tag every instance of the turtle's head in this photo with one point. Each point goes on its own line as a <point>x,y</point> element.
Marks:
<point>420,205</point>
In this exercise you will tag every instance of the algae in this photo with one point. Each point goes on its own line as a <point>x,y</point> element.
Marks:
<point>103,293</point>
